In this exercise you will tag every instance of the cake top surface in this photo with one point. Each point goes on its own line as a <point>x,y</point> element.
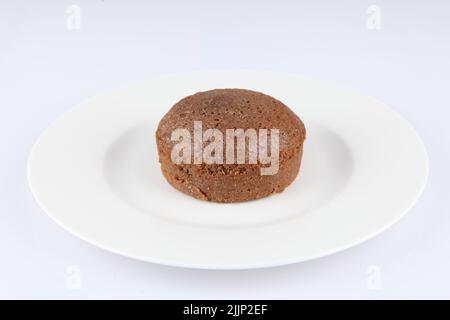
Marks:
<point>234,109</point>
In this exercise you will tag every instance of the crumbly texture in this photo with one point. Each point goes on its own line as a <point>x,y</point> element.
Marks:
<point>230,109</point>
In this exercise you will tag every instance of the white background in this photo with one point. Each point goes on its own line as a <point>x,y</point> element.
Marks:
<point>45,69</point>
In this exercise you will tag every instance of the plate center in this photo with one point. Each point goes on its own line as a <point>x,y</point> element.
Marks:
<point>132,170</point>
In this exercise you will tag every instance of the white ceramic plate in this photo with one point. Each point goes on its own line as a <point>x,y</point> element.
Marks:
<point>95,172</point>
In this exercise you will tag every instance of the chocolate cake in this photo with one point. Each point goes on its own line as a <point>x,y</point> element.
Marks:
<point>194,162</point>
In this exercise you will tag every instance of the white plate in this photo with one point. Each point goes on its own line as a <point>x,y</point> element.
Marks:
<point>95,172</point>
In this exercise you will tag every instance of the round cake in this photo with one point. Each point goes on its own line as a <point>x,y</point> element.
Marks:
<point>230,145</point>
